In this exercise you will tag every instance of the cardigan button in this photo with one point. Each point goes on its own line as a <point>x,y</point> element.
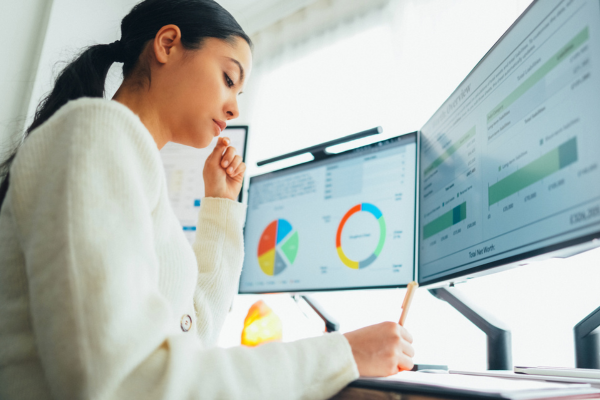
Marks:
<point>186,323</point>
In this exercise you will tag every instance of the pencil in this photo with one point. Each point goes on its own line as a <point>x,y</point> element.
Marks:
<point>410,292</point>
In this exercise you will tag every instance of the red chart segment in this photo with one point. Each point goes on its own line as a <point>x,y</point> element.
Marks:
<point>267,239</point>
<point>338,236</point>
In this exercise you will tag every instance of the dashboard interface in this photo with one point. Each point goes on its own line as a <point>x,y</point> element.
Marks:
<point>509,163</point>
<point>347,221</point>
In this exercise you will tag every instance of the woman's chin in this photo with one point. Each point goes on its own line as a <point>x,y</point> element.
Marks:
<point>199,141</point>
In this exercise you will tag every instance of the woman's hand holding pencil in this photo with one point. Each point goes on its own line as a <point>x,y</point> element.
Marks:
<point>386,348</point>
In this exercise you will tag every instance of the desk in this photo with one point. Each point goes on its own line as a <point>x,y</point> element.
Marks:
<point>356,393</point>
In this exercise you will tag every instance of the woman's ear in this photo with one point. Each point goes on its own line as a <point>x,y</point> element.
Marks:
<point>166,43</point>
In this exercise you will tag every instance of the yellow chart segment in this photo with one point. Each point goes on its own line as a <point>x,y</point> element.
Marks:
<point>267,262</point>
<point>346,260</point>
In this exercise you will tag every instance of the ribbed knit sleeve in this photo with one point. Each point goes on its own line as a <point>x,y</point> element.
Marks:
<point>83,193</point>
<point>219,249</point>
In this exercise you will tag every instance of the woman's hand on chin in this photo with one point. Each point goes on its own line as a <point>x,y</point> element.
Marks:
<point>223,172</point>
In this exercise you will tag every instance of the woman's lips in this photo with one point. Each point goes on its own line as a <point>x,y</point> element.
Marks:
<point>221,125</point>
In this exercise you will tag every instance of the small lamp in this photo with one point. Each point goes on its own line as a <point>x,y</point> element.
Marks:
<point>261,325</point>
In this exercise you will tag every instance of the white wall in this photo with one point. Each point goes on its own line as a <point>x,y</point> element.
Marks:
<point>437,44</point>
<point>74,25</point>
<point>42,36</point>
<point>24,26</point>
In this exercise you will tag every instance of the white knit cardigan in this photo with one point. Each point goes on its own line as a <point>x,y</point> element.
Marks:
<point>98,284</point>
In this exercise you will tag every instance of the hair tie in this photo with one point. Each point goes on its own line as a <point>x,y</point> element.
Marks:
<point>118,51</point>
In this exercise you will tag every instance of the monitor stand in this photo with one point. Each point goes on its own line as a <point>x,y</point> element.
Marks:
<point>587,341</point>
<point>499,352</point>
<point>331,325</point>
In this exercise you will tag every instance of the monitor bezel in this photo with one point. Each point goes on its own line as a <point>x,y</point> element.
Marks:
<point>245,128</point>
<point>558,250</point>
<point>329,156</point>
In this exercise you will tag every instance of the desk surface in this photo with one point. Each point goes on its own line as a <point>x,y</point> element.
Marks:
<point>354,393</point>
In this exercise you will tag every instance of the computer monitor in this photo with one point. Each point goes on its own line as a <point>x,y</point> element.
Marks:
<point>343,222</point>
<point>183,168</point>
<point>509,165</point>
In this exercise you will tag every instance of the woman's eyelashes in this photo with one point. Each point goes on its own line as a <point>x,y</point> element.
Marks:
<point>228,81</point>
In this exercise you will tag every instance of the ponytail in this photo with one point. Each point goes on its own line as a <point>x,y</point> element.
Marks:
<point>86,76</point>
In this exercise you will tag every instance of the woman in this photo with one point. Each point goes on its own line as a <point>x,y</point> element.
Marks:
<point>100,295</point>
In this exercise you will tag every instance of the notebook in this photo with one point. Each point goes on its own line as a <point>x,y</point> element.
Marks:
<point>476,386</point>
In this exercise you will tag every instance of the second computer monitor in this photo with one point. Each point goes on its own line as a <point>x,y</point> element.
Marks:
<point>343,222</point>
<point>510,162</point>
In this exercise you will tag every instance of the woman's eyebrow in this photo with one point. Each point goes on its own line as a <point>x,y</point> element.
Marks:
<point>239,66</point>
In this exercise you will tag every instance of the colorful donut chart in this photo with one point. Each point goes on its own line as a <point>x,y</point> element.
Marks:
<point>366,207</point>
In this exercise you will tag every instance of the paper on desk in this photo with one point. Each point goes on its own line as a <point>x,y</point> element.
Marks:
<point>511,375</point>
<point>504,388</point>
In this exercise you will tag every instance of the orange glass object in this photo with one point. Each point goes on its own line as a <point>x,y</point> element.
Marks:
<point>261,325</point>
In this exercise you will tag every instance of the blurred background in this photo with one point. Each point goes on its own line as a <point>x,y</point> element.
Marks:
<point>325,69</point>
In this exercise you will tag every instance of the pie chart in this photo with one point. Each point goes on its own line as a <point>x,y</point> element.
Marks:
<point>375,212</point>
<point>278,247</point>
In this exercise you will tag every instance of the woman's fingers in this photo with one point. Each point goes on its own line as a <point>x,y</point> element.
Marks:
<point>407,349</point>
<point>406,334</point>
<point>241,169</point>
<point>216,155</point>
<point>405,363</point>
<point>228,158</point>
<point>234,167</point>
<point>223,171</point>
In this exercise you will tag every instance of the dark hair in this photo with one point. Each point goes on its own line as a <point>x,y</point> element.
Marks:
<point>86,75</point>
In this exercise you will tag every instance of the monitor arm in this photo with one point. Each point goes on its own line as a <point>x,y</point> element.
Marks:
<point>499,347</point>
<point>587,341</point>
<point>331,325</point>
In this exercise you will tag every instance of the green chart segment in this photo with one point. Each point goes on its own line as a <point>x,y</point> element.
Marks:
<point>551,162</point>
<point>541,72</point>
<point>452,217</point>
<point>451,150</point>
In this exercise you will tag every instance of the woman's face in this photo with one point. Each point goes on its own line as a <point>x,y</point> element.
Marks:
<point>199,92</point>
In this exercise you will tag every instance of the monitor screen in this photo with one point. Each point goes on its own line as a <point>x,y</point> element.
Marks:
<point>509,163</point>
<point>343,222</point>
<point>183,168</point>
